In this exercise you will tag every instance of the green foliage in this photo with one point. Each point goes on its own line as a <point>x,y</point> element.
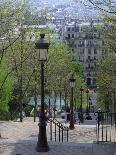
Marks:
<point>107,65</point>
<point>78,68</point>
<point>4,115</point>
<point>19,60</point>
<point>109,33</point>
<point>6,89</point>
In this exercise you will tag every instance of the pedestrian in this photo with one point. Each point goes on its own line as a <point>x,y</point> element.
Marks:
<point>46,117</point>
<point>68,114</point>
<point>99,109</point>
<point>38,112</point>
<point>81,118</point>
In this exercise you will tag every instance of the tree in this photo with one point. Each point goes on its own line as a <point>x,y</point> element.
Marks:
<point>15,50</point>
<point>6,91</point>
<point>107,65</point>
<point>18,53</point>
<point>60,66</point>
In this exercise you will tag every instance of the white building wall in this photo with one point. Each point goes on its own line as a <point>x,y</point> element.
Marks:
<point>82,44</point>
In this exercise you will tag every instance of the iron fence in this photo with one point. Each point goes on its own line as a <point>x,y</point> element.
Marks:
<point>106,127</point>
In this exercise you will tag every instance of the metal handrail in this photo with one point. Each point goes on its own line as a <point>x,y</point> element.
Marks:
<point>61,129</point>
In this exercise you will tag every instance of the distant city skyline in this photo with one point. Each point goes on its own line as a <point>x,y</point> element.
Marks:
<point>71,8</point>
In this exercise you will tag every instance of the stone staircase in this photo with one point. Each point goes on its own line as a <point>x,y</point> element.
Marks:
<point>79,141</point>
<point>27,147</point>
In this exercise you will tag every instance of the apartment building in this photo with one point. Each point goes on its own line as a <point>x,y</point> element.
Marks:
<point>85,39</point>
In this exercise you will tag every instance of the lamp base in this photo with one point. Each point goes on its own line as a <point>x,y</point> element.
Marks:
<point>41,148</point>
<point>71,127</point>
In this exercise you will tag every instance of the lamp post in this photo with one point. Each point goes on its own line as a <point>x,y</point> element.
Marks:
<point>81,107</point>
<point>49,104</point>
<point>87,91</point>
<point>72,84</point>
<point>54,103</point>
<point>42,46</point>
<point>114,91</point>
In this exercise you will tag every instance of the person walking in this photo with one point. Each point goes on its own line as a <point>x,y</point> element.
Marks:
<point>68,114</point>
<point>46,117</point>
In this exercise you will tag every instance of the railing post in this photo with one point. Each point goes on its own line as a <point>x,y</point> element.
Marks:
<point>106,126</point>
<point>115,127</point>
<point>67,134</point>
<point>62,133</point>
<point>102,128</point>
<point>51,130</point>
<point>61,129</point>
<point>98,127</point>
<point>59,132</point>
<point>110,114</point>
<point>55,131</point>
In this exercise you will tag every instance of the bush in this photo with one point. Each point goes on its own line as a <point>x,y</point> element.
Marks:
<point>4,115</point>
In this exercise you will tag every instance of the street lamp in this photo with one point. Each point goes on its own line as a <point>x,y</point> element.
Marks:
<point>72,84</point>
<point>87,91</point>
<point>81,107</point>
<point>54,103</point>
<point>114,91</point>
<point>41,47</point>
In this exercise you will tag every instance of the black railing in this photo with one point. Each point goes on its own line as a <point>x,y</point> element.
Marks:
<point>58,132</point>
<point>106,127</point>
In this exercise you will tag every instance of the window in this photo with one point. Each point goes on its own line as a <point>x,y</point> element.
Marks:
<point>88,65</point>
<point>88,81</point>
<point>95,51</point>
<point>94,64</point>
<point>73,29</point>
<point>77,29</point>
<point>68,35</point>
<point>90,43</point>
<point>94,35</point>
<point>72,35</point>
<point>89,51</point>
<point>95,58</point>
<point>89,57</point>
<point>83,50</point>
<point>68,29</point>
<point>102,42</point>
<point>81,43</point>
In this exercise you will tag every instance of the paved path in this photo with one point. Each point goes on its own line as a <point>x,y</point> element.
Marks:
<point>21,138</point>
<point>28,148</point>
<point>29,129</point>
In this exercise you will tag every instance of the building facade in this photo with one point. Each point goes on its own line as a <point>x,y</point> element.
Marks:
<point>85,39</point>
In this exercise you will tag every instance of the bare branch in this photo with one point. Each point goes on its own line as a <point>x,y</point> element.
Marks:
<point>112,12</point>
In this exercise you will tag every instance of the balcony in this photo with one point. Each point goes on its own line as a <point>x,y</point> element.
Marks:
<point>91,60</point>
<point>81,45</point>
<point>90,45</point>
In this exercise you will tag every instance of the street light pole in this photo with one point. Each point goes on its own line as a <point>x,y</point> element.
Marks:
<point>42,47</point>
<point>81,107</point>
<point>72,84</point>
<point>87,91</point>
<point>49,104</point>
<point>35,107</point>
